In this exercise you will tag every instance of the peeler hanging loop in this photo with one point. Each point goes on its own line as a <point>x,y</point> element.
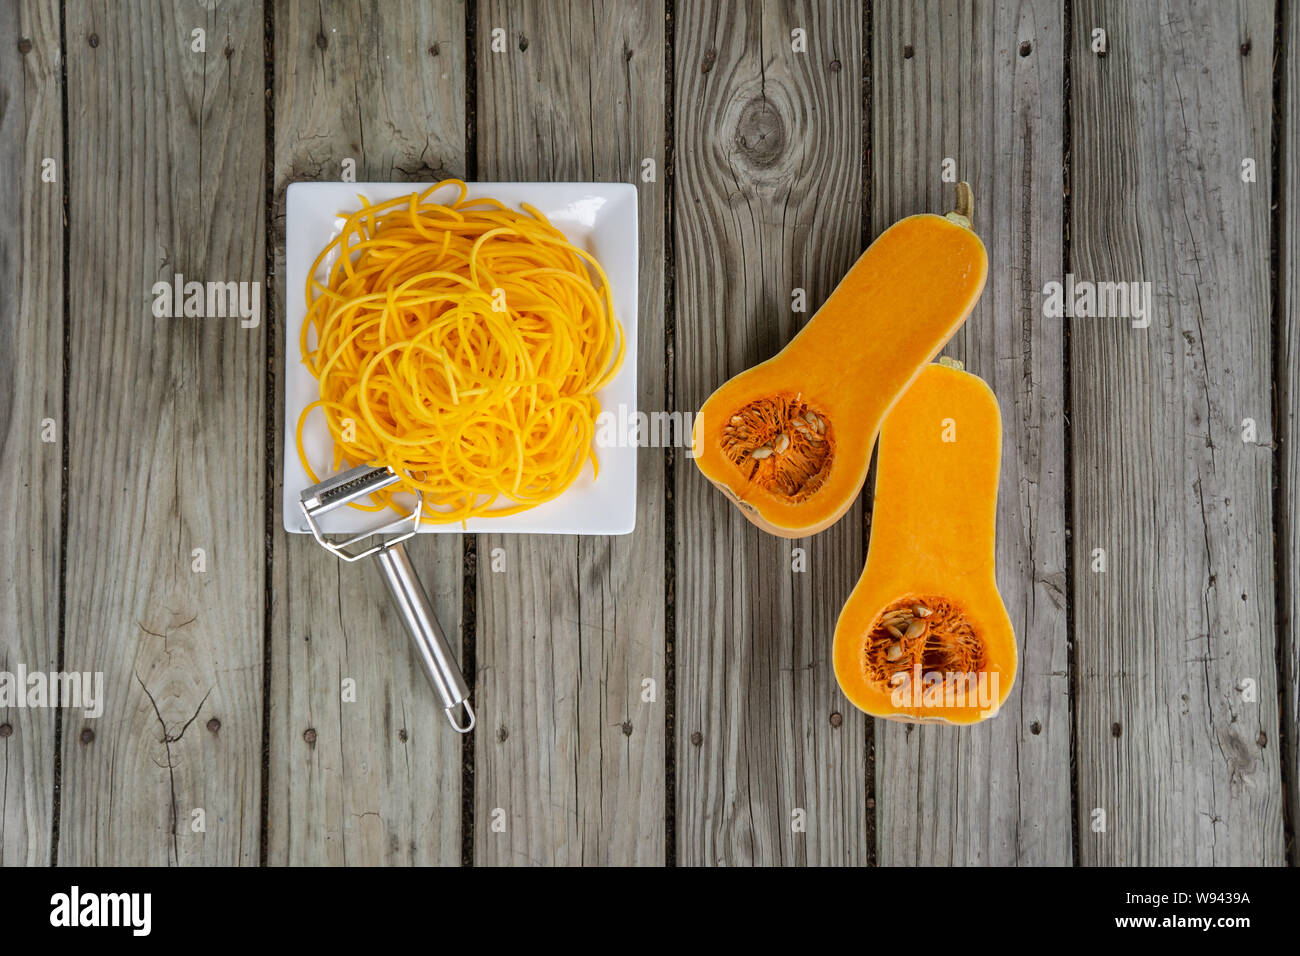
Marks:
<point>451,718</point>
<point>403,583</point>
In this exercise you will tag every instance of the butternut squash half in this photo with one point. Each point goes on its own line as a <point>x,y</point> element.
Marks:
<point>789,441</point>
<point>925,636</point>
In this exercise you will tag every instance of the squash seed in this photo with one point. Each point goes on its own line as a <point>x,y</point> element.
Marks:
<point>893,652</point>
<point>914,630</point>
<point>799,457</point>
<point>921,610</point>
<point>946,640</point>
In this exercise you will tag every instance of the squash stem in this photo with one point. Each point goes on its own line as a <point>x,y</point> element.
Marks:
<point>947,361</point>
<point>965,206</point>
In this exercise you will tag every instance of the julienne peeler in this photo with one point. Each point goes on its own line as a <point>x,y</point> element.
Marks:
<point>403,583</point>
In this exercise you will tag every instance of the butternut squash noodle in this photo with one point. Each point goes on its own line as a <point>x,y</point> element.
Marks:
<point>461,343</point>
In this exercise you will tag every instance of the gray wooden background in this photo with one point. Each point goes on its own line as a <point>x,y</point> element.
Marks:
<point>1155,716</point>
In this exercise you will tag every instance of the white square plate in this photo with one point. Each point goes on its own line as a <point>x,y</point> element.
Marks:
<point>598,217</point>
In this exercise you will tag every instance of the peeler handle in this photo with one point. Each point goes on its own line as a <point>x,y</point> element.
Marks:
<point>439,663</point>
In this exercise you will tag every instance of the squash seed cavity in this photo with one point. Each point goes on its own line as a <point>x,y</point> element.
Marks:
<point>782,444</point>
<point>931,631</point>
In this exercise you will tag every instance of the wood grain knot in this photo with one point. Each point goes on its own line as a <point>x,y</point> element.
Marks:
<point>760,134</point>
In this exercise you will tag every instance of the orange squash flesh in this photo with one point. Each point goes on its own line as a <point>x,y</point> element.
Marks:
<point>930,564</point>
<point>889,316</point>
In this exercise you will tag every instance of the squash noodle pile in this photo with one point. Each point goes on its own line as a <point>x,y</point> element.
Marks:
<point>461,343</point>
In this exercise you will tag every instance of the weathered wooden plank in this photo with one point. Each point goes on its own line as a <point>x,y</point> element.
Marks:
<point>375,780</point>
<point>31,367</point>
<point>981,86</point>
<point>1176,685</point>
<point>768,194</point>
<point>1287,395</point>
<point>569,630</point>
<point>165,424</point>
